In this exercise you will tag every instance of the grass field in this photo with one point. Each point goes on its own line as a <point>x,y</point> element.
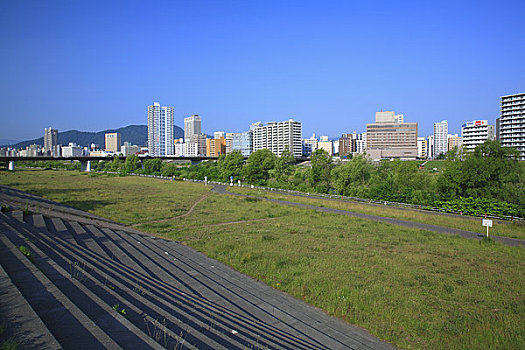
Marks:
<point>506,229</point>
<point>416,289</point>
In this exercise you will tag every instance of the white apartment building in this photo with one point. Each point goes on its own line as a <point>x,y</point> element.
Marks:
<point>430,147</point>
<point>511,123</point>
<point>50,139</point>
<point>72,150</point>
<point>276,136</point>
<point>475,133</point>
<point>440,138</point>
<point>160,130</point>
<point>422,148</point>
<point>309,146</point>
<point>192,126</point>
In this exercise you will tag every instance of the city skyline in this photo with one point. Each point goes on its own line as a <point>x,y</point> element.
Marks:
<point>338,62</point>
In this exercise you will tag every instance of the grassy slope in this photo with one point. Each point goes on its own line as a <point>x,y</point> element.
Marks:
<point>512,230</point>
<point>411,287</point>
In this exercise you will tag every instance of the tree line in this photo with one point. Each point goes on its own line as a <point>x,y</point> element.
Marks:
<point>491,179</point>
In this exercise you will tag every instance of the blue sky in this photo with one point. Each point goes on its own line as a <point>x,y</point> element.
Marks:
<point>93,65</point>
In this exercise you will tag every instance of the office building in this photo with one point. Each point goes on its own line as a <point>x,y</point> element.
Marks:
<point>475,133</point>
<point>388,138</point>
<point>160,130</point>
<point>346,145</point>
<point>216,146</point>
<point>50,139</point>
<point>454,141</point>
<point>192,126</point>
<point>242,141</point>
<point>309,146</point>
<point>112,142</point>
<point>72,150</point>
<point>440,138</point>
<point>277,136</point>
<point>127,149</point>
<point>511,123</point>
<point>229,142</point>
<point>326,144</point>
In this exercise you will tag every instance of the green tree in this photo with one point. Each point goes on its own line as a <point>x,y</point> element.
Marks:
<point>152,166</point>
<point>230,165</point>
<point>284,165</point>
<point>352,178</point>
<point>490,171</point>
<point>258,166</point>
<point>132,163</point>
<point>322,165</point>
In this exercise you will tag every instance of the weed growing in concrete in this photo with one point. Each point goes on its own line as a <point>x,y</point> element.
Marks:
<point>158,331</point>
<point>121,311</point>
<point>25,250</point>
<point>77,270</point>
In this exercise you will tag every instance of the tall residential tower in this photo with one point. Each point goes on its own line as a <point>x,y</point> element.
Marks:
<point>160,130</point>
<point>511,123</point>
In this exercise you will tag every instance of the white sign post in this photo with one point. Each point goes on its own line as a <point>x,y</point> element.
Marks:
<point>487,223</point>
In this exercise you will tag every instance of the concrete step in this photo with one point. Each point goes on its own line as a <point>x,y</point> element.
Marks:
<point>66,322</point>
<point>20,320</point>
<point>129,297</point>
<point>117,327</point>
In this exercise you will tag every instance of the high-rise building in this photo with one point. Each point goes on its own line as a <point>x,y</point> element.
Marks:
<point>430,147</point>
<point>389,138</point>
<point>277,136</point>
<point>475,133</point>
<point>112,142</point>
<point>511,123</point>
<point>160,130</point>
<point>440,138</point>
<point>454,141</point>
<point>192,126</point>
<point>229,142</point>
<point>50,139</point>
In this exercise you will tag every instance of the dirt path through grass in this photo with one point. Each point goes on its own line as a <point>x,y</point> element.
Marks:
<point>178,216</point>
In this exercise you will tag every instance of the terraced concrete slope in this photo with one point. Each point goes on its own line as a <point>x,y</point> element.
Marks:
<point>82,282</point>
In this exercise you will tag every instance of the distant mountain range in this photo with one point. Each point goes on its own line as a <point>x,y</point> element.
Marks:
<point>134,134</point>
<point>8,142</point>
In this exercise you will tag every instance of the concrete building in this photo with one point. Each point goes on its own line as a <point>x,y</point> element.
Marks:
<point>242,141</point>
<point>511,123</point>
<point>216,146</point>
<point>475,133</point>
<point>454,141</point>
<point>72,150</point>
<point>388,138</point>
<point>229,142</point>
<point>430,147</point>
<point>440,138</point>
<point>160,130</point>
<point>113,142</point>
<point>128,149</point>
<point>192,126</point>
<point>422,148</point>
<point>326,144</point>
<point>346,145</point>
<point>200,142</point>
<point>50,140</point>
<point>309,145</point>
<point>276,136</point>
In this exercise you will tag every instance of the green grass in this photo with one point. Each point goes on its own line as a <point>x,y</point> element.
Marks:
<point>500,228</point>
<point>414,288</point>
<point>128,200</point>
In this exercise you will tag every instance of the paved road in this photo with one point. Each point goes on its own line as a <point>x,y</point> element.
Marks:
<point>440,229</point>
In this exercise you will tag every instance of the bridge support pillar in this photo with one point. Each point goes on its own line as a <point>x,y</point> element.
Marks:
<point>85,165</point>
<point>11,165</point>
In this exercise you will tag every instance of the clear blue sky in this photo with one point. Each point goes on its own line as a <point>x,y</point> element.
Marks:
<point>93,65</point>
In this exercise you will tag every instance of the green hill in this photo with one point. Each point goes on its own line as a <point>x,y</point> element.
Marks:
<point>135,134</point>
